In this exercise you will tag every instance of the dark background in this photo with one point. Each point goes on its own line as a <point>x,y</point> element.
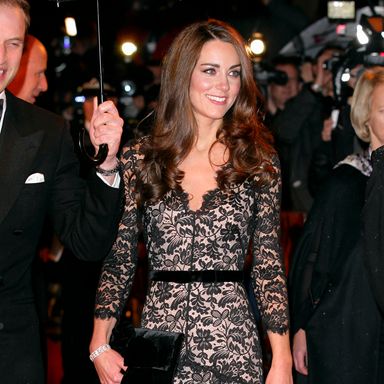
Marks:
<point>158,17</point>
<point>155,21</point>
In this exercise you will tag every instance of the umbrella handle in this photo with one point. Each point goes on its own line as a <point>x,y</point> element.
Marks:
<point>101,154</point>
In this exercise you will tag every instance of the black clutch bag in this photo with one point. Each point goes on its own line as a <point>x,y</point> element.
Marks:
<point>151,355</point>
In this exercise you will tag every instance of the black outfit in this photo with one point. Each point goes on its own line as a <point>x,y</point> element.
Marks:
<point>329,291</point>
<point>39,177</point>
<point>297,131</point>
<point>79,282</point>
<point>344,141</point>
<point>373,215</point>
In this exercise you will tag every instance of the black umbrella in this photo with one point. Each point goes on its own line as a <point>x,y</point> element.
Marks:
<point>103,148</point>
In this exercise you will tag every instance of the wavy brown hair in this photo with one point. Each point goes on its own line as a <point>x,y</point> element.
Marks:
<point>175,129</point>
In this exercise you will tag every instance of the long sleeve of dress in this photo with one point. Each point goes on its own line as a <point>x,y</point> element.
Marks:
<point>373,216</point>
<point>268,272</point>
<point>119,266</point>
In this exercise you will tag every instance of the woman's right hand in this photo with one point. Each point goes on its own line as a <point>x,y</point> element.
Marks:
<point>110,367</point>
<point>299,351</point>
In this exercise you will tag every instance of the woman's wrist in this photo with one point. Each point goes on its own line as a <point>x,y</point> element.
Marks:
<point>282,361</point>
<point>98,351</point>
<point>96,341</point>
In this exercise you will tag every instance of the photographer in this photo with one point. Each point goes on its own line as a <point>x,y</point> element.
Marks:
<point>297,129</point>
<point>296,114</point>
<point>338,136</point>
<point>280,91</point>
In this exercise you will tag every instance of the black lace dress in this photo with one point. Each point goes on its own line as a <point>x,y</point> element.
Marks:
<point>221,339</point>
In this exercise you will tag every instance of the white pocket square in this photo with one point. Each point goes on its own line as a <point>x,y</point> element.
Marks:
<point>35,178</point>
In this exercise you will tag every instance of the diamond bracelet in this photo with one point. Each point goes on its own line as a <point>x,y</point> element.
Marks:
<point>99,351</point>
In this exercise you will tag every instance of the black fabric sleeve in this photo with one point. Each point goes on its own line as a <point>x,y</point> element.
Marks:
<point>85,213</point>
<point>330,233</point>
<point>373,217</point>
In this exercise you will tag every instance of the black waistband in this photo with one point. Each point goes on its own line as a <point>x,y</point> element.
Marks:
<point>210,276</point>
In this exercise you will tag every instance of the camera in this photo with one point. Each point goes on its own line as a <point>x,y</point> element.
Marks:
<point>367,50</point>
<point>333,63</point>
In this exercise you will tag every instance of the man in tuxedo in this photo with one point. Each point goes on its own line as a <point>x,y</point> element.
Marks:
<point>39,177</point>
<point>30,81</point>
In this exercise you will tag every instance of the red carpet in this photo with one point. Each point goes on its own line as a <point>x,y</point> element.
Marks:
<point>55,368</point>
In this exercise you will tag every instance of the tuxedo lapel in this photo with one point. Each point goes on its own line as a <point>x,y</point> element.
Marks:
<point>19,145</point>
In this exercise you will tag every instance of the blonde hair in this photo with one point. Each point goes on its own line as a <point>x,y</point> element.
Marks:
<point>362,99</point>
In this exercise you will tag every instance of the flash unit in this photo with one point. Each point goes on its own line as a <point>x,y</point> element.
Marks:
<point>341,10</point>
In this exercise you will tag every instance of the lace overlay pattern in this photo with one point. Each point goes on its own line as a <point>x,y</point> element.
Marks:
<point>221,340</point>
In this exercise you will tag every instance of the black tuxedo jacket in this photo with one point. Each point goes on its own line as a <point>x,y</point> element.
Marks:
<point>39,176</point>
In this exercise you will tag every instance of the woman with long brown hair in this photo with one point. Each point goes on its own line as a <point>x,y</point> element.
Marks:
<point>205,185</point>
